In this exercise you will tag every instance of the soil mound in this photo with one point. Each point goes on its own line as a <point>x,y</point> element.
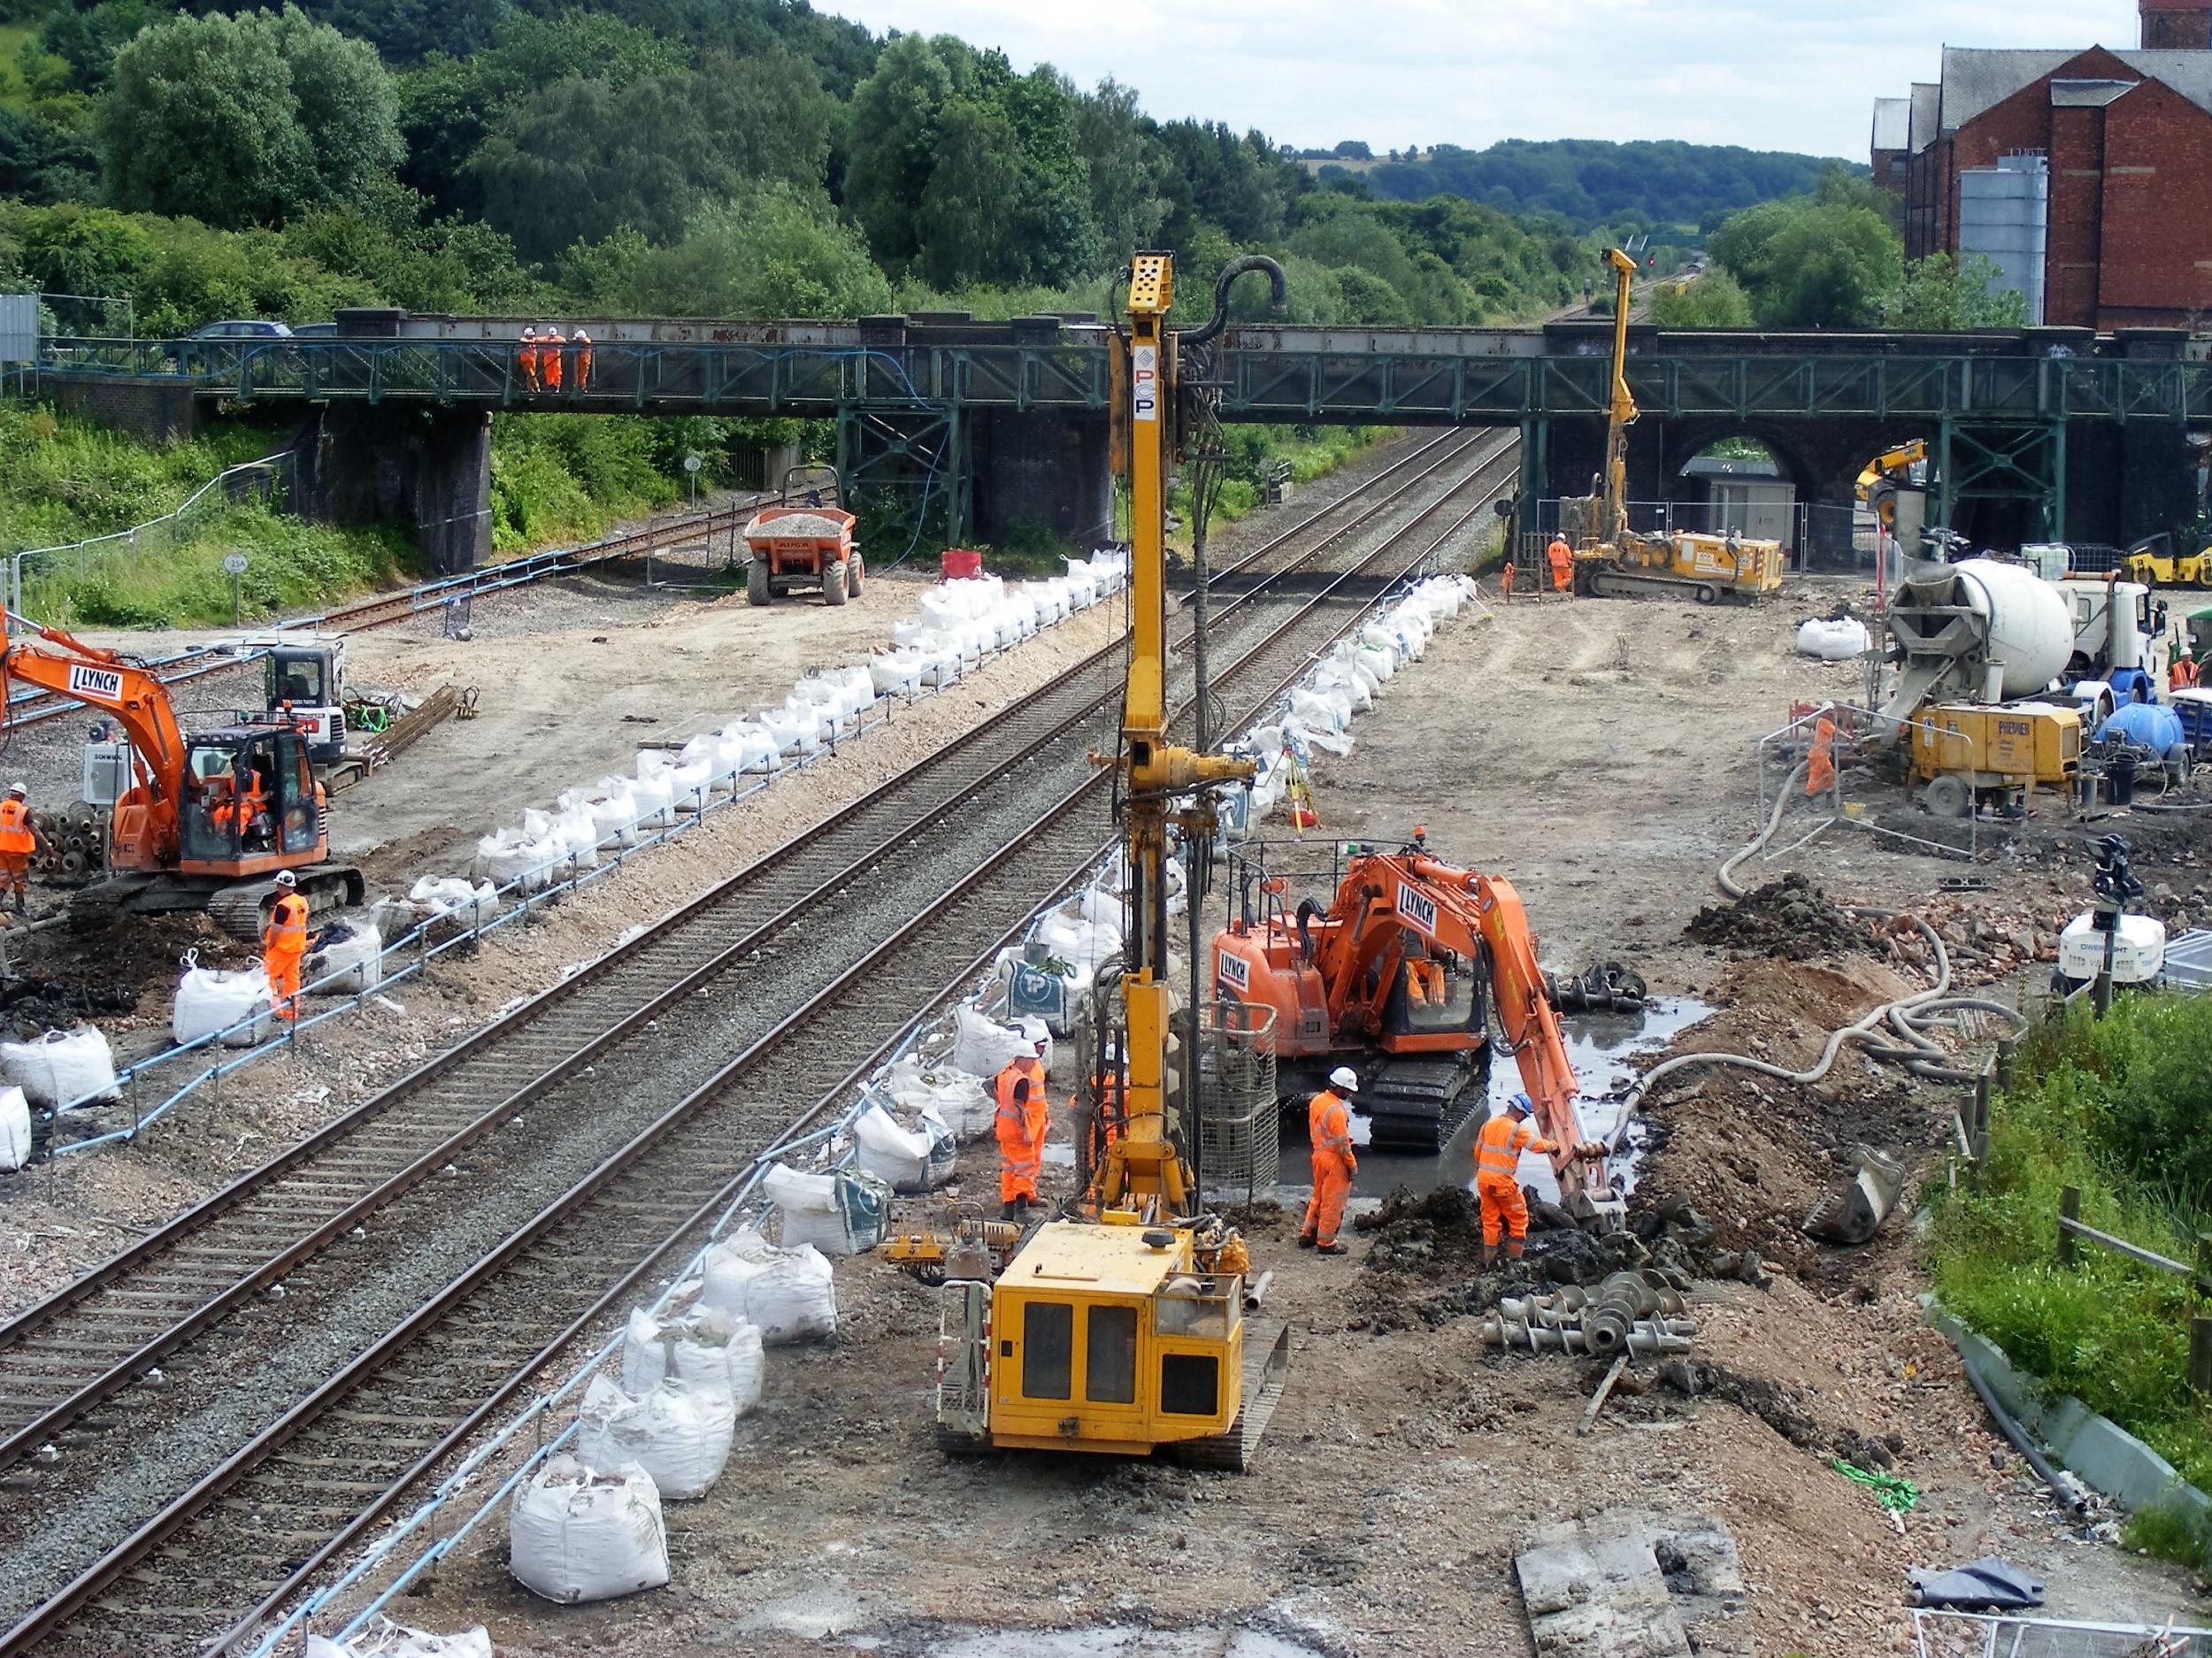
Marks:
<point>1791,918</point>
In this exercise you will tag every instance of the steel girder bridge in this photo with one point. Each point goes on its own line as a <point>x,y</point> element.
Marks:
<point>907,394</point>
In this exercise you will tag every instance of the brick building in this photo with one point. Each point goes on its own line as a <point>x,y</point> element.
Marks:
<point>2087,175</point>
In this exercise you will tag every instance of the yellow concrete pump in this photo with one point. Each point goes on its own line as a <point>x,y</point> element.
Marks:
<point>1124,1331</point>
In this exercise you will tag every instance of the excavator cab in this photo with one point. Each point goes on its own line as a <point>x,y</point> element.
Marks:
<point>250,804</point>
<point>307,684</point>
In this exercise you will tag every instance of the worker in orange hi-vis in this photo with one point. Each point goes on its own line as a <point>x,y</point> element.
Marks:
<point>580,345</point>
<point>1021,1146</point>
<point>1328,1128</point>
<point>1498,1149</point>
<point>1562,558</point>
<point>1820,765</point>
<point>526,357</point>
<point>1505,580</point>
<point>283,944</point>
<point>18,840</point>
<point>551,349</point>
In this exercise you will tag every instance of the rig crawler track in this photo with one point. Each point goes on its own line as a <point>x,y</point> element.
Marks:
<point>413,1388</point>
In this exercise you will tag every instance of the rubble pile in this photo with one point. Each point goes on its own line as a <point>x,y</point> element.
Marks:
<point>1790,917</point>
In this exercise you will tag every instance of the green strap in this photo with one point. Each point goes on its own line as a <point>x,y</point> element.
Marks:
<point>1898,1496</point>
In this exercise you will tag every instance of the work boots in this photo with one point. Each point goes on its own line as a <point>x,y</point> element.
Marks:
<point>1489,1256</point>
<point>1009,1211</point>
<point>1334,1247</point>
<point>22,904</point>
<point>1306,1240</point>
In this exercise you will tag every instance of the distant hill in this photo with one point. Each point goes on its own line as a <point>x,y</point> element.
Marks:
<point>1589,180</point>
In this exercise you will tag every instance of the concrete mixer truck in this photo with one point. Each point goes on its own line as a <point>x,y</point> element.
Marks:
<point>1976,644</point>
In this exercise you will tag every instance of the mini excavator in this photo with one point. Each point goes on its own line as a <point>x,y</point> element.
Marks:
<point>1409,962</point>
<point>209,819</point>
<point>1123,1330</point>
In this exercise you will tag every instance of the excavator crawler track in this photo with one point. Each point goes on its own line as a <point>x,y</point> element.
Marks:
<point>1264,1383</point>
<point>1416,1105</point>
<point>241,910</point>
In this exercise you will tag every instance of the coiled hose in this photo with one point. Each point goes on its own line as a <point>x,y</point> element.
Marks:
<point>1894,1034</point>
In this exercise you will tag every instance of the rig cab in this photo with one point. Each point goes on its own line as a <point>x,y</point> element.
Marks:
<point>307,685</point>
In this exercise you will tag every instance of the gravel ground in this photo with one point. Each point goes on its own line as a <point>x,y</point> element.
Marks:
<point>571,1131</point>
<point>1597,753</point>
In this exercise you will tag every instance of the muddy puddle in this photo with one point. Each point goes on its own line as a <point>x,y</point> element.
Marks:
<point>1609,1051</point>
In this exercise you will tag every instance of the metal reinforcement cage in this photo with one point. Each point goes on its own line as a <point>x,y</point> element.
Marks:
<point>1984,1635</point>
<point>1239,1139</point>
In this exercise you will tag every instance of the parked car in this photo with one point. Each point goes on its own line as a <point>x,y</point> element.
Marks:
<point>315,331</point>
<point>242,328</point>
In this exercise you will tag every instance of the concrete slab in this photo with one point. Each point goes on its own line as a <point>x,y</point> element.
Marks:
<point>1634,1585</point>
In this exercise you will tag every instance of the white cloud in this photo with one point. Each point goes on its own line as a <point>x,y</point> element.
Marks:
<point>1769,74</point>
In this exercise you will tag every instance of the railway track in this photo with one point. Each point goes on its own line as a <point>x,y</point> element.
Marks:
<point>335,1458</point>
<point>384,610</point>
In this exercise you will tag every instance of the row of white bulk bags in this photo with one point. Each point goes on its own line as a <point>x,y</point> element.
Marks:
<point>1109,567</point>
<point>962,1103</point>
<point>788,1294</point>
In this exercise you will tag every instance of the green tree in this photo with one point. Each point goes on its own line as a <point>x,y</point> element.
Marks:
<point>1830,260</point>
<point>1940,294</point>
<point>581,159</point>
<point>1111,136</point>
<point>241,121</point>
<point>1714,300</point>
<point>781,252</point>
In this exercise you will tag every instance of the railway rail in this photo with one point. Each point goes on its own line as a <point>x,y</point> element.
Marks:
<point>325,1468</point>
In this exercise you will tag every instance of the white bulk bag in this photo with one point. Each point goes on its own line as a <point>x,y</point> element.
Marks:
<point>654,791</point>
<point>678,1432</point>
<point>964,1103</point>
<point>983,1048</point>
<point>451,895</point>
<point>15,1130</point>
<point>210,999</point>
<point>1832,641</point>
<point>388,1639</point>
<point>511,857</point>
<point>789,1294</point>
<point>576,1534</point>
<point>707,1348</point>
<point>901,1157</point>
<point>611,808</point>
<point>840,1213</point>
<point>62,1068</point>
<point>692,781</point>
<point>350,963</point>
<point>897,673</point>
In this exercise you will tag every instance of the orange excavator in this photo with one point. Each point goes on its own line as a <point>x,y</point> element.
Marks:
<point>209,819</point>
<point>1410,963</point>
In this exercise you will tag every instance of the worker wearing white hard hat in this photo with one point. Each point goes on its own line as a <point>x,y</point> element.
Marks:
<point>283,945</point>
<point>1329,1127</point>
<point>1498,1149</point>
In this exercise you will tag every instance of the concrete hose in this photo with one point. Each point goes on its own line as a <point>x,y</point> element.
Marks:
<point>1907,1019</point>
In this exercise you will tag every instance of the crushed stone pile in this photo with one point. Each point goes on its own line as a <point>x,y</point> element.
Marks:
<point>794,525</point>
<point>1790,917</point>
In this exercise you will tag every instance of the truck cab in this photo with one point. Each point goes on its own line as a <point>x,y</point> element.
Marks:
<point>2119,636</point>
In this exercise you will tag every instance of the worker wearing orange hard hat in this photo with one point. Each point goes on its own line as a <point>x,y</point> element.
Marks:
<point>1498,1149</point>
<point>18,840</point>
<point>283,944</point>
<point>1561,559</point>
<point>1328,1128</point>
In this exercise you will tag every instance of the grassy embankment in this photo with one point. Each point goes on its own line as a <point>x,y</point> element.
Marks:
<point>2121,1108</point>
<point>63,479</point>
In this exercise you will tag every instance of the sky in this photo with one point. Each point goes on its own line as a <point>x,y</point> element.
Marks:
<point>1768,74</point>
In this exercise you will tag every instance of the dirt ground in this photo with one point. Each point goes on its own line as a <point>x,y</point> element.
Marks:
<point>1597,753</point>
